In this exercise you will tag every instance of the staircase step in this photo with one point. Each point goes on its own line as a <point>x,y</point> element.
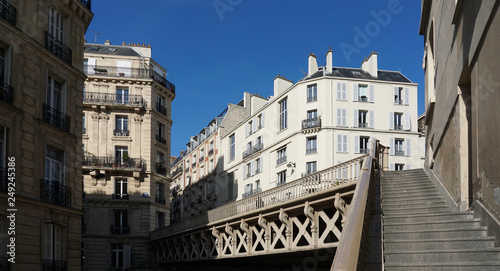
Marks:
<point>412,180</point>
<point>446,216</point>
<point>446,255</point>
<point>410,197</point>
<point>427,225</point>
<point>436,234</point>
<point>407,187</point>
<point>422,202</point>
<point>440,244</point>
<point>444,266</point>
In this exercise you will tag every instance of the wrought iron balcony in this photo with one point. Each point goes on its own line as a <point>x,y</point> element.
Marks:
<point>312,99</point>
<point>364,150</point>
<point>119,229</point>
<point>53,265</point>
<point>8,13</point>
<point>121,132</point>
<point>86,3</point>
<point>160,108</point>
<point>281,160</point>
<point>177,171</point>
<point>399,153</point>
<point>55,192</point>
<point>311,150</point>
<point>160,200</point>
<point>252,150</point>
<point>398,127</point>
<point>398,101</point>
<point>6,92</point>
<point>113,99</point>
<point>163,81</point>
<point>58,48</point>
<point>363,99</point>
<point>160,168</point>
<point>56,117</point>
<point>311,123</point>
<point>3,181</point>
<point>117,163</point>
<point>362,125</point>
<point>160,139</point>
<point>120,196</point>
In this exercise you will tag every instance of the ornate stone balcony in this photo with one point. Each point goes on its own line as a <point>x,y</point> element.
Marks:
<point>312,123</point>
<point>113,99</point>
<point>114,163</point>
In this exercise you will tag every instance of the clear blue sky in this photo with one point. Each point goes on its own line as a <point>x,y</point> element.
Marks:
<point>214,50</point>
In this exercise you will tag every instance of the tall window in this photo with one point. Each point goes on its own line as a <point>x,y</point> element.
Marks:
<point>341,143</point>
<point>260,121</point>
<point>258,165</point>
<point>121,189</point>
<point>312,114</point>
<point>341,91</point>
<point>120,220</point>
<point>121,127</point>
<point>363,144</point>
<point>4,65</point>
<point>398,121</point>
<point>52,243</point>
<point>311,145</point>
<point>160,220</point>
<point>362,118</point>
<point>310,167</point>
<point>160,131</point>
<point>119,256</point>
<point>399,166</point>
<point>283,114</point>
<point>281,153</point>
<point>281,177</point>
<point>122,96</point>
<point>362,93</point>
<point>398,95</point>
<point>54,166</point>
<point>398,147</point>
<point>56,24</point>
<point>54,94</point>
<point>232,147</point>
<point>121,154</point>
<point>160,193</point>
<point>341,117</point>
<point>312,93</point>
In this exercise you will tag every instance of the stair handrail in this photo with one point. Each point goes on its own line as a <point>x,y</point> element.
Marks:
<point>348,252</point>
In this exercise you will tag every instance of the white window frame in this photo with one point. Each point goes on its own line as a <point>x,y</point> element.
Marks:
<point>122,95</point>
<point>232,147</point>
<point>54,165</point>
<point>283,114</point>
<point>121,187</point>
<point>56,24</point>
<point>56,98</point>
<point>312,93</point>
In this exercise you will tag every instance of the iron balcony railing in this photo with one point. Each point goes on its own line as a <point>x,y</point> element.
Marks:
<point>56,193</point>
<point>118,163</point>
<point>399,153</point>
<point>364,150</point>
<point>58,48</point>
<point>119,229</point>
<point>160,200</point>
<point>177,171</point>
<point>251,192</point>
<point>56,117</point>
<point>160,108</point>
<point>113,99</point>
<point>160,168</point>
<point>311,123</point>
<point>363,99</point>
<point>398,127</point>
<point>362,124</point>
<point>114,71</point>
<point>120,132</point>
<point>311,150</point>
<point>8,12</point>
<point>86,3</point>
<point>281,160</point>
<point>161,139</point>
<point>53,265</point>
<point>312,99</point>
<point>3,181</point>
<point>120,196</point>
<point>255,148</point>
<point>398,101</point>
<point>6,92</point>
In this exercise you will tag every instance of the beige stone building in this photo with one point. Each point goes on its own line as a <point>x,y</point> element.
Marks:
<point>462,81</point>
<point>41,80</point>
<point>126,141</point>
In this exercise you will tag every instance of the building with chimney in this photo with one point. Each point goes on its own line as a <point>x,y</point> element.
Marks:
<point>461,102</point>
<point>41,80</point>
<point>126,142</point>
<point>330,116</point>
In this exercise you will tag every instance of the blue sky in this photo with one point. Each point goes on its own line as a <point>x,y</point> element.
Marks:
<point>214,50</point>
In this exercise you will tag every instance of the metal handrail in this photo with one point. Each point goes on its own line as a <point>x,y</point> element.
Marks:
<point>8,12</point>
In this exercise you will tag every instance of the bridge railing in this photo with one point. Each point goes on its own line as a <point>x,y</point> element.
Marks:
<point>350,250</point>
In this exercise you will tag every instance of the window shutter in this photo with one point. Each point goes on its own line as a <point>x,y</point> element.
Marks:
<point>244,171</point>
<point>356,118</point>
<point>355,92</point>
<point>126,255</point>
<point>391,120</point>
<point>246,129</point>
<point>254,124</point>
<point>47,242</point>
<point>262,118</point>
<point>407,96</point>
<point>372,118</point>
<point>339,143</point>
<point>391,167</point>
<point>408,147</point>
<point>339,117</point>
<point>252,168</point>
<point>408,166</point>
<point>339,91</point>
<point>261,164</point>
<point>407,123</point>
<point>344,91</point>
<point>345,143</point>
<point>344,117</point>
<point>396,95</point>
<point>356,144</point>
<point>391,146</point>
<point>372,94</point>
<point>57,243</point>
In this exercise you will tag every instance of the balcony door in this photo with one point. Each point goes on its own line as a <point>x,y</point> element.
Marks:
<point>121,154</point>
<point>56,24</point>
<point>55,94</point>
<point>54,171</point>
<point>122,96</point>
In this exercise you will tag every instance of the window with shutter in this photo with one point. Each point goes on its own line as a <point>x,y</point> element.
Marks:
<point>356,144</point>
<point>372,94</point>
<point>355,92</point>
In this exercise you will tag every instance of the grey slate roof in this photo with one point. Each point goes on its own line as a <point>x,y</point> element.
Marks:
<point>391,76</point>
<point>109,50</point>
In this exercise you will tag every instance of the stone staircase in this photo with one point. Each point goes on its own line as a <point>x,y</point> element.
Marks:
<point>420,231</point>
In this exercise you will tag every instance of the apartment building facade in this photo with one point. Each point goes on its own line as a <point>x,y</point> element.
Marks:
<point>126,162</point>
<point>41,79</point>
<point>330,116</point>
<point>461,94</point>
